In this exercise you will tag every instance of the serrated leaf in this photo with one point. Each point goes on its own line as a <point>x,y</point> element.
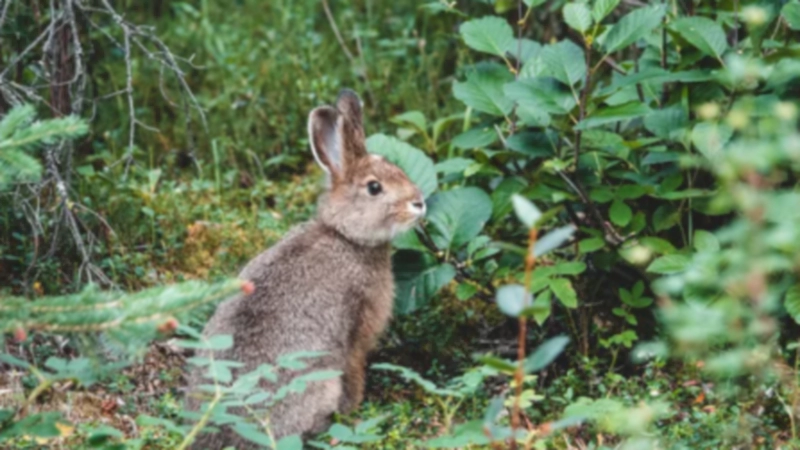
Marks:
<point>415,163</point>
<point>552,240</point>
<point>563,290</point>
<point>545,354</point>
<point>791,13</point>
<point>483,90</point>
<point>541,94</point>
<point>578,16</point>
<point>489,34</point>
<point>613,114</point>
<point>457,216</point>
<point>669,264</point>
<point>633,26</point>
<point>526,211</point>
<point>512,299</point>
<point>620,213</point>
<point>703,33</point>
<point>792,302</point>
<point>603,8</point>
<point>565,62</point>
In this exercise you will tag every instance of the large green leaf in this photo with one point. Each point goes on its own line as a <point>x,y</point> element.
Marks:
<point>457,216</point>
<point>791,13</point>
<point>542,94</point>
<point>418,277</point>
<point>612,114</point>
<point>489,34</point>
<point>634,26</point>
<point>414,162</point>
<point>483,90</point>
<point>620,213</point>
<point>564,61</point>
<point>602,8</point>
<point>578,16</point>
<point>704,33</point>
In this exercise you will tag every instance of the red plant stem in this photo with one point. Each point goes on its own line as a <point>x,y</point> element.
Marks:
<point>530,262</point>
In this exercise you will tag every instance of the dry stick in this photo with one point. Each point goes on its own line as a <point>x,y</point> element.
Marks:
<point>530,262</point>
<point>335,29</point>
<point>6,5</point>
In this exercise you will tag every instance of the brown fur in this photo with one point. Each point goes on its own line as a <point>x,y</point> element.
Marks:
<point>327,286</point>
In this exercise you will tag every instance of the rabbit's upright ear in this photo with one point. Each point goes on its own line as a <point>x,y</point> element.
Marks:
<point>337,135</point>
<point>325,140</point>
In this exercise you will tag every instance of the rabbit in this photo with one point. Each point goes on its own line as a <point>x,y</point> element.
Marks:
<point>327,285</point>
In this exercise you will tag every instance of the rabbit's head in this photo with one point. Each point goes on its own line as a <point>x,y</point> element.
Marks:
<point>369,199</point>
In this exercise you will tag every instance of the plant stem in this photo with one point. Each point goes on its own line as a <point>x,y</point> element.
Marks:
<point>530,262</point>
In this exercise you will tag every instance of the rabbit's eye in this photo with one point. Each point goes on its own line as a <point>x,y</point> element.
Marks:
<point>374,188</point>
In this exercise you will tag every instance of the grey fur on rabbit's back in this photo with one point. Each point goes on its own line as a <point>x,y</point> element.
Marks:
<point>327,286</point>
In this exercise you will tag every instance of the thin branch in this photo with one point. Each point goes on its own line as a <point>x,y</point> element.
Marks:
<point>336,32</point>
<point>3,14</point>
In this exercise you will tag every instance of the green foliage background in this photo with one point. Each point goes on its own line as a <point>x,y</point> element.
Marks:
<point>620,178</point>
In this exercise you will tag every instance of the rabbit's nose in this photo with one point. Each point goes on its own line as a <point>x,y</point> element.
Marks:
<point>418,207</point>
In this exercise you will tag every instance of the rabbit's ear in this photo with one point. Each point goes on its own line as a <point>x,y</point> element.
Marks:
<point>337,135</point>
<point>325,139</point>
<point>351,127</point>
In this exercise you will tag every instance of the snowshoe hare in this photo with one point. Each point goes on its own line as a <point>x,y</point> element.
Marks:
<point>327,286</point>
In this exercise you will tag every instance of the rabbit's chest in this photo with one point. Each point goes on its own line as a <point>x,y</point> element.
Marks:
<point>375,307</point>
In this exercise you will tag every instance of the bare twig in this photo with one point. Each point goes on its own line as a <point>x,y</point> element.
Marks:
<point>336,32</point>
<point>6,5</point>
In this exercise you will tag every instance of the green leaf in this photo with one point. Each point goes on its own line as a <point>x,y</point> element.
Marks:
<point>475,138</point>
<point>710,138</point>
<point>512,299</point>
<point>414,162</point>
<point>612,114</point>
<point>591,244</point>
<point>414,118</point>
<point>526,211</point>
<point>545,354</point>
<point>792,302</point>
<point>603,8</point>
<point>457,216</point>
<point>658,245</point>
<point>705,241</point>
<point>565,62</point>
<point>483,90</point>
<point>578,16</point>
<point>552,240</point>
<point>541,94</point>
<point>620,213</point>
<point>494,362</point>
<point>419,277</point>
<point>292,442</point>
<point>563,289</point>
<point>542,307</point>
<point>252,433</point>
<point>501,196</point>
<point>669,264</point>
<point>489,34</point>
<point>704,33</point>
<point>669,123</point>
<point>791,13</point>
<point>634,26</point>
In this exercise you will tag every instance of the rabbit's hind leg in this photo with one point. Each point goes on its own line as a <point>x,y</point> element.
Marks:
<point>307,413</point>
